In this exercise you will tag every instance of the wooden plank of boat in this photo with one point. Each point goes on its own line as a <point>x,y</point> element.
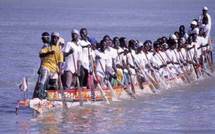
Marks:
<point>54,100</point>
<point>73,94</point>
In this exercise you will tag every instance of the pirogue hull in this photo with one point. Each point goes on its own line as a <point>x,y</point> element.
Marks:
<point>72,97</point>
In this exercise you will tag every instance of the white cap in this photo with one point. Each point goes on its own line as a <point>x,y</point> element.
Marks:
<point>55,34</point>
<point>75,31</point>
<point>194,23</point>
<point>205,8</point>
<point>61,40</point>
<point>173,36</point>
<point>140,44</point>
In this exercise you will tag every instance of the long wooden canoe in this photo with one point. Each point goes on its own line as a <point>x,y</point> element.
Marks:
<point>54,98</point>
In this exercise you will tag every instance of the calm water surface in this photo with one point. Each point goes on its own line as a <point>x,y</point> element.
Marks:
<point>187,109</point>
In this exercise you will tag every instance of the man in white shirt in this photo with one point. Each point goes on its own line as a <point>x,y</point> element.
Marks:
<point>193,28</point>
<point>86,57</point>
<point>110,52</point>
<point>205,14</point>
<point>72,53</point>
<point>173,56</point>
<point>158,61</point>
<point>101,59</point>
<point>205,29</point>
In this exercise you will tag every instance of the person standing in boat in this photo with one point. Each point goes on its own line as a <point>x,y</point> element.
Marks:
<point>85,59</point>
<point>46,42</point>
<point>101,59</point>
<point>123,51</point>
<point>116,63</point>
<point>194,52</point>
<point>111,56</point>
<point>51,63</point>
<point>72,53</point>
<point>205,23</point>
<point>205,14</point>
<point>131,60</point>
<point>45,39</point>
<point>207,48</point>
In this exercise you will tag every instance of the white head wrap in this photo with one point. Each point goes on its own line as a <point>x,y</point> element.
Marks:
<point>56,34</point>
<point>173,36</point>
<point>194,23</point>
<point>205,8</point>
<point>61,40</point>
<point>75,31</point>
<point>140,44</point>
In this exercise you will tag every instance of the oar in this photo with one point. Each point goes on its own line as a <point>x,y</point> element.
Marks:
<point>184,73</point>
<point>98,84</point>
<point>204,68</point>
<point>198,61</point>
<point>60,82</point>
<point>109,85</point>
<point>62,92</point>
<point>163,61</point>
<point>173,65</point>
<point>101,90</point>
<point>36,89</point>
<point>210,42</point>
<point>125,89</point>
<point>203,59</point>
<point>211,54</point>
<point>129,73</point>
<point>192,64</point>
<point>160,57</point>
<point>147,77</point>
<point>205,56</point>
<point>154,72</point>
<point>143,73</point>
<point>210,59</point>
<point>90,79</point>
<point>150,80</point>
<point>137,71</point>
<point>78,82</point>
<point>186,69</point>
<point>206,72</point>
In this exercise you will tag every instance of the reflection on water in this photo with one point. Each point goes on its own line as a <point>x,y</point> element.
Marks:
<point>24,127</point>
<point>49,123</point>
<point>96,119</point>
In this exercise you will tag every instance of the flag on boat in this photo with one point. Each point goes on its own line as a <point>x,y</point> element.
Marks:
<point>23,86</point>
